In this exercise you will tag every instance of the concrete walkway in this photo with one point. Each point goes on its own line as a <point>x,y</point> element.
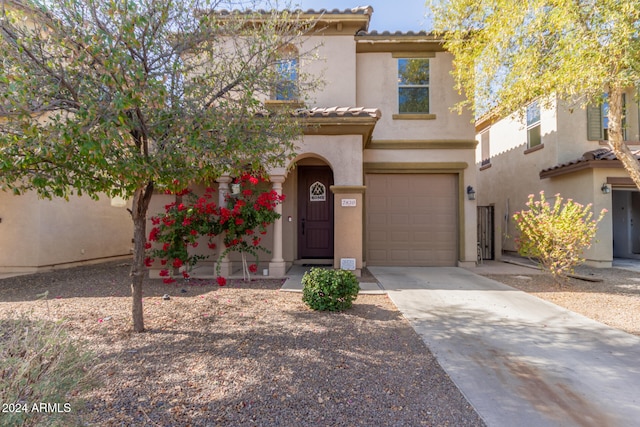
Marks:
<point>519,360</point>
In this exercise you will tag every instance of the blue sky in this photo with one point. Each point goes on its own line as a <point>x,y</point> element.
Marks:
<point>391,15</point>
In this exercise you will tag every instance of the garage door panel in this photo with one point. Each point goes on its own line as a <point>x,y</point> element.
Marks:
<point>398,236</point>
<point>377,219</point>
<point>398,255</point>
<point>412,219</point>
<point>398,219</point>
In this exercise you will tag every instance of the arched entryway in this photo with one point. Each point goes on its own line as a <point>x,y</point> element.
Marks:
<point>315,212</point>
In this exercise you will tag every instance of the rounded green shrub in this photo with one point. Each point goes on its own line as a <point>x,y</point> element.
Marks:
<point>332,290</point>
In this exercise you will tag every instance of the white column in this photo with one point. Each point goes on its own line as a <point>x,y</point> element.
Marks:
<point>277,266</point>
<point>223,190</point>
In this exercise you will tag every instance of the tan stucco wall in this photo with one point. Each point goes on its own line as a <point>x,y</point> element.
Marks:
<point>333,61</point>
<point>40,234</point>
<point>584,187</point>
<point>378,87</point>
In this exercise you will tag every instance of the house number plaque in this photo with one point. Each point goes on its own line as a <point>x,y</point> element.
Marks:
<point>348,203</point>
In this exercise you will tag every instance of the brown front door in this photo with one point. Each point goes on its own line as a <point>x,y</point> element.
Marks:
<point>315,212</point>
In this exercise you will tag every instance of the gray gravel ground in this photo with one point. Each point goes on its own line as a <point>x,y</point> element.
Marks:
<point>241,355</point>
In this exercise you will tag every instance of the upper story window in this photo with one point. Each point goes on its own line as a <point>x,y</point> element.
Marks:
<point>485,149</point>
<point>533,125</point>
<point>598,120</point>
<point>413,85</point>
<point>286,87</point>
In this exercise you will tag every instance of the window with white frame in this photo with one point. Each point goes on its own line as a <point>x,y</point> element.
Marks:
<point>534,137</point>
<point>413,85</point>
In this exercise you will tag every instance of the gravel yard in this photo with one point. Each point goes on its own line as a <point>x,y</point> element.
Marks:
<point>242,355</point>
<point>249,355</point>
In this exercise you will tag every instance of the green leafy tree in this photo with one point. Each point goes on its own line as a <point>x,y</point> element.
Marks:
<point>128,97</point>
<point>510,52</point>
<point>557,235</point>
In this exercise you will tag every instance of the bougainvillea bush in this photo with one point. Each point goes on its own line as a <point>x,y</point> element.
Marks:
<point>241,222</point>
<point>556,235</point>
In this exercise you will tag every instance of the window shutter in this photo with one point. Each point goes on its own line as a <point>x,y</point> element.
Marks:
<point>594,123</point>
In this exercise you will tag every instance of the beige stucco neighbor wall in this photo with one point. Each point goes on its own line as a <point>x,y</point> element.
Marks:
<point>584,187</point>
<point>38,234</point>
<point>514,171</point>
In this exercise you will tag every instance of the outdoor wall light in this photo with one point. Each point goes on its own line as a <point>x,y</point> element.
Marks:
<point>235,189</point>
<point>605,189</point>
<point>471,193</point>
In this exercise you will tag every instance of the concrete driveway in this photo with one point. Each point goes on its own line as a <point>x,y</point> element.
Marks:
<point>519,360</point>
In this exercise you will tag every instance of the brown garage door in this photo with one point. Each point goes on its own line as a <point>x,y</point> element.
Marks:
<point>412,219</point>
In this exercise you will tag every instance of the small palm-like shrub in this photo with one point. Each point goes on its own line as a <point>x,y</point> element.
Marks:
<point>331,290</point>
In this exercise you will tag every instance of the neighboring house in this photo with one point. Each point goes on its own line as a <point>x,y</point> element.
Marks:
<point>39,234</point>
<point>561,149</point>
<point>387,162</point>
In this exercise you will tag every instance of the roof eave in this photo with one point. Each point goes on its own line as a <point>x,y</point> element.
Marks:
<point>579,166</point>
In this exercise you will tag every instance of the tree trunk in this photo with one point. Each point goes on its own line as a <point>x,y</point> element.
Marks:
<point>616,136</point>
<point>141,200</point>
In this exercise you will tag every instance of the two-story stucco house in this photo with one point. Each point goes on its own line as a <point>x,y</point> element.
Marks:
<point>561,149</point>
<point>382,171</point>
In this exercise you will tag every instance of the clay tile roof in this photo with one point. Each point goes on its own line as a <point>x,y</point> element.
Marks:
<point>318,112</point>
<point>600,157</point>
<point>360,10</point>
<point>392,34</point>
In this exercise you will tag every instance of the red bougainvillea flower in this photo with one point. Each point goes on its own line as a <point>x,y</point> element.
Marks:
<point>221,281</point>
<point>163,261</point>
<point>193,232</point>
<point>247,192</point>
<point>239,221</point>
<point>185,274</point>
<point>177,263</point>
<point>155,220</point>
<point>253,180</point>
<point>211,245</point>
<point>194,244</point>
<point>147,245</point>
<point>166,247</point>
<point>153,235</point>
<point>169,280</point>
<point>186,222</point>
<point>181,207</point>
<point>253,268</point>
<point>148,261</point>
<point>164,273</point>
